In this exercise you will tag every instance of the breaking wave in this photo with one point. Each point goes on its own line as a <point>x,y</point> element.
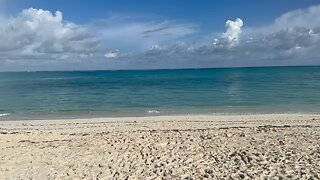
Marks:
<point>4,114</point>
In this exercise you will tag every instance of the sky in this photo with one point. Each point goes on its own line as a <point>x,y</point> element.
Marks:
<point>38,35</point>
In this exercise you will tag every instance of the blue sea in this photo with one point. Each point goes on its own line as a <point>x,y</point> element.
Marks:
<point>86,94</point>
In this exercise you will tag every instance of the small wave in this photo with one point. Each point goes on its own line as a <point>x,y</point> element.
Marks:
<point>4,114</point>
<point>153,112</point>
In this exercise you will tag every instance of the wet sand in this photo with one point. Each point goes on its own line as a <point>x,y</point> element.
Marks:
<point>272,146</point>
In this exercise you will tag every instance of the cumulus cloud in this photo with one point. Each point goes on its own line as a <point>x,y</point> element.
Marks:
<point>39,34</point>
<point>233,31</point>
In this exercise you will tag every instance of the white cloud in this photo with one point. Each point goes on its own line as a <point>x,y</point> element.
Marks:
<point>307,18</point>
<point>112,54</point>
<point>233,31</point>
<point>122,33</point>
<point>292,45</point>
<point>40,40</point>
<point>39,34</point>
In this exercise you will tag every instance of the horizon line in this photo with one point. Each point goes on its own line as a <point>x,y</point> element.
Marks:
<point>162,69</point>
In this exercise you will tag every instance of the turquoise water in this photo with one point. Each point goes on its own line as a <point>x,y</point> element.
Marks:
<point>37,95</point>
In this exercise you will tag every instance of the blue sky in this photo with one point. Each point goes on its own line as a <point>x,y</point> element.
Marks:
<point>127,34</point>
<point>210,14</point>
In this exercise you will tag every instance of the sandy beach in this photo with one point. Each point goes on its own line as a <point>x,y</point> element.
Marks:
<point>266,146</point>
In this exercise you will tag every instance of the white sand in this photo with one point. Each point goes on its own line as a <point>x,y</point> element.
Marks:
<point>165,147</point>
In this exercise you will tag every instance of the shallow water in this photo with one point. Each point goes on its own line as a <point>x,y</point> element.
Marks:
<point>37,95</point>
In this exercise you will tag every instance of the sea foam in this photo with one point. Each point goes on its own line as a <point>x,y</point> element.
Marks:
<point>153,112</point>
<point>4,114</point>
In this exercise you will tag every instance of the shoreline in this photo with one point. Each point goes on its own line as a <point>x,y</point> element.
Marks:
<point>176,117</point>
<point>11,117</point>
<point>171,147</point>
<point>7,116</point>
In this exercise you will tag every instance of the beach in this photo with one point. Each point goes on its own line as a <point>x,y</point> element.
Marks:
<point>256,146</point>
<point>150,90</point>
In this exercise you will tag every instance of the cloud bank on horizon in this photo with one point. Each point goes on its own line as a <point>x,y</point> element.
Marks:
<point>38,39</point>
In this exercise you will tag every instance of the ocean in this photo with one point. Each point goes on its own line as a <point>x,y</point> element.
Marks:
<point>86,94</point>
